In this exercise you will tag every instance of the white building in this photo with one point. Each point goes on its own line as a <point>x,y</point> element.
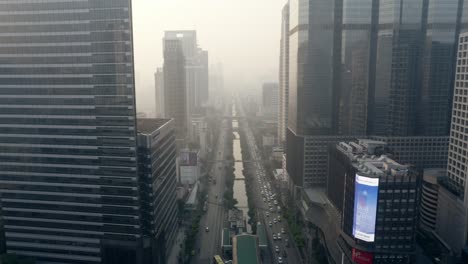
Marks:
<point>188,167</point>
<point>457,166</point>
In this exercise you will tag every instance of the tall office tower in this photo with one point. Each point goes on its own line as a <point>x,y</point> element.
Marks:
<point>175,92</point>
<point>400,42</point>
<point>195,58</point>
<point>157,177</point>
<point>283,76</point>
<point>379,201</point>
<point>458,157</point>
<point>443,21</point>
<point>202,79</point>
<point>68,172</point>
<point>159,92</point>
<point>358,37</point>
<point>270,102</point>
<point>311,82</point>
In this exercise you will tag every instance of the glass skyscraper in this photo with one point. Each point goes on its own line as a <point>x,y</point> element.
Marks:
<point>358,42</point>
<point>68,171</point>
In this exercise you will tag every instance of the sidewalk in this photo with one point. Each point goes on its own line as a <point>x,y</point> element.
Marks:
<point>173,257</point>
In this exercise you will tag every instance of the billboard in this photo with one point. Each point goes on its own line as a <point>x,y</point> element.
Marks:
<point>188,158</point>
<point>365,207</point>
<point>362,257</point>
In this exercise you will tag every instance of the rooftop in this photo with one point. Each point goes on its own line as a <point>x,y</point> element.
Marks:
<point>149,125</point>
<point>369,158</point>
<point>245,248</point>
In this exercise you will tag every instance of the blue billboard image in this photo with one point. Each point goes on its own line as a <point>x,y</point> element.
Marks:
<point>365,207</point>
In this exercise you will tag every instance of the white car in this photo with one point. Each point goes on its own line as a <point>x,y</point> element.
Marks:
<point>278,236</point>
<point>282,230</point>
<point>274,237</point>
<point>276,249</point>
<point>270,224</point>
<point>280,260</point>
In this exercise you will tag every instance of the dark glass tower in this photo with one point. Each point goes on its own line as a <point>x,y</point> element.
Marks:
<point>439,57</point>
<point>68,172</point>
<point>358,43</point>
<point>311,82</point>
<point>398,67</point>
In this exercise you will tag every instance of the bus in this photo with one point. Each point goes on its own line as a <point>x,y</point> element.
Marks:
<point>217,260</point>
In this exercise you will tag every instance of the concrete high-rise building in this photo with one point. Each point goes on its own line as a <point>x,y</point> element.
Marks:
<point>68,173</point>
<point>458,157</point>
<point>379,201</point>
<point>284,76</point>
<point>175,92</point>
<point>158,178</point>
<point>270,102</point>
<point>159,93</point>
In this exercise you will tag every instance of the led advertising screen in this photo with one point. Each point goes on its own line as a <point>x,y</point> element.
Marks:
<point>365,207</point>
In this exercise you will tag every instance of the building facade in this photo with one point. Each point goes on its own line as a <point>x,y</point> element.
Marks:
<point>312,51</point>
<point>380,207</point>
<point>283,76</point>
<point>457,157</point>
<point>358,45</point>
<point>159,93</point>
<point>270,100</point>
<point>157,185</point>
<point>69,188</point>
<point>175,91</point>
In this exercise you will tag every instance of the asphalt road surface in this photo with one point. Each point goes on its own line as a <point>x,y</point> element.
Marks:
<point>209,242</point>
<point>261,183</point>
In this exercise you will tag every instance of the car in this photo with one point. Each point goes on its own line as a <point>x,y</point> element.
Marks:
<point>280,260</point>
<point>277,249</point>
<point>282,231</point>
<point>272,210</point>
<point>287,242</point>
<point>264,199</point>
<point>278,236</point>
<point>207,229</point>
<point>274,221</point>
<point>270,224</point>
<point>279,218</point>
<point>268,214</point>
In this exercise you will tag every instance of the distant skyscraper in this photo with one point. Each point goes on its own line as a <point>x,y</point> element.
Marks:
<point>68,172</point>
<point>202,91</point>
<point>284,76</point>
<point>270,102</point>
<point>175,92</point>
<point>159,92</point>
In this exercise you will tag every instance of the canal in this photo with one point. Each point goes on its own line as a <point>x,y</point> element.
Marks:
<point>240,193</point>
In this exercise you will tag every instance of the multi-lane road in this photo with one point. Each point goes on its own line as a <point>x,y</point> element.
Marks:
<point>209,242</point>
<point>283,250</point>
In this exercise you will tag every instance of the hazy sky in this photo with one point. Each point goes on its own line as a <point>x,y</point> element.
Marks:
<point>241,34</point>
